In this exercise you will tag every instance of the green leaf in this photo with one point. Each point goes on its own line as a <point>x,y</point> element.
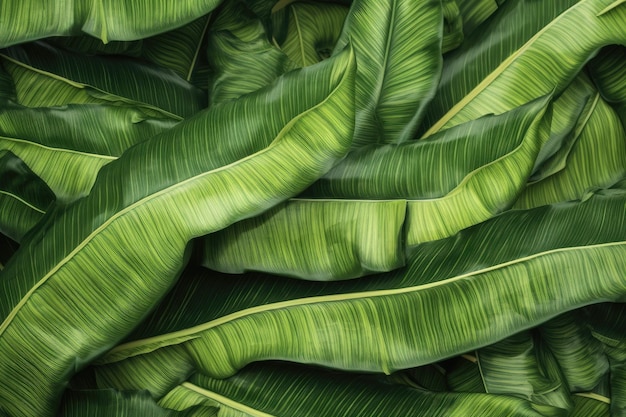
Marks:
<point>457,178</point>
<point>608,71</point>
<point>104,78</point>
<point>580,356</point>
<point>241,56</point>
<point>94,270</point>
<point>597,160</point>
<point>79,138</point>
<point>111,403</point>
<point>88,45</point>
<point>475,12</point>
<point>24,197</point>
<point>108,20</point>
<point>281,389</point>
<point>453,26</point>
<point>428,377</point>
<point>491,278</point>
<point>508,29</point>
<point>398,47</point>
<point>312,31</point>
<point>182,50</point>
<point>463,374</point>
<point>521,365</point>
<point>585,406</point>
<point>578,32</point>
<point>313,239</point>
<point>7,248</point>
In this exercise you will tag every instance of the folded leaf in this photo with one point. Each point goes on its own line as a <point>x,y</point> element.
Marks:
<point>67,146</point>
<point>522,366</point>
<point>24,197</point>
<point>281,389</point>
<point>572,38</point>
<point>495,279</point>
<point>463,374</point>
<point>107,78</point>
<point>108,20</point>
<point>398,47</point>
<point>241,56</point>
<point>580,356</point>
<point>312,31</point>
<point>597,160</point>
<point>95,268</point>
<point>452,26</point>
<point>313,239</point>
<point>590,407</point>
<point>455,179</point>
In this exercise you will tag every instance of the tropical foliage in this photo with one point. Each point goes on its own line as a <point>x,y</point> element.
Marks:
<point>296,208</point>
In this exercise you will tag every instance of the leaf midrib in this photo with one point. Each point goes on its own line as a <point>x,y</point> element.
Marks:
<point>56,149</point>
<point>22,201</point>
<point>194,332</point>
<point>225,400</point>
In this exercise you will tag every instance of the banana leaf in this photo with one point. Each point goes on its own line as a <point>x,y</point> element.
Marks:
<point>88,45</point>
<point>495,279</point>
<point>313,239</point>
<point>281,389</point>
<point>457,178</point>
<point>579,355</point>
<point>108,20</point>
<point>7,87</point>
<point>508,29</point>
<point>95,268</point>
<point>521,366</point>
<point>241,57</point>
<point>463,374</point>
<point>398,46</point>
<point>67,146</point>
<point>24,197</point>
<point>312,31</point>
<point>452,26</point>
<point>475,12</point>
<point>111,403</point>
<point>597,160</point>
<point>571,111</point>
<point>572,39</point>
<point>428,377</point>
<point>106,78</point>
<point>608,325</point>
<point>590,407</point>
<point>608,70</point>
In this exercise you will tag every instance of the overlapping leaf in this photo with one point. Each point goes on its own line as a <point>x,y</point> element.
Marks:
<point>277,389</point>
<point>313,239</point>
<point>24,197</point>
<point>453,180</point>
<point>76,273</point>
<point>491,288</point>
<point>398,47</point>
<point>108,20</point>
<point>67,146</point>
<point>101,78</point>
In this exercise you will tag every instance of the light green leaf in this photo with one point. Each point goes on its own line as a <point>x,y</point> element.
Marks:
<point>457,178</point>
<point>102,78</point>
<point>490,277</point>
<point>24,197</point>
<point>313,239</point>
<point>241,56</point>
<point>398,47</point>
<point>312,31</point>
<point>285,390</point>
<point>108,20</point>
<point>453,26</point>
<point>87,277</point>
<point>597,160</point>
<point>67,146</point>
<point>571,39</point>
